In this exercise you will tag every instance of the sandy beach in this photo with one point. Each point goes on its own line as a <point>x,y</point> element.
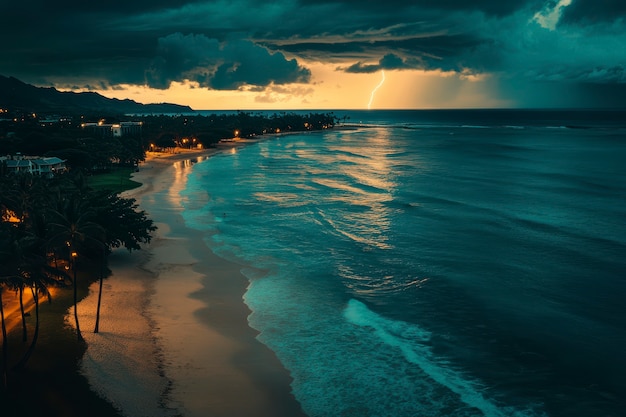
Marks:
<point>174,338</point>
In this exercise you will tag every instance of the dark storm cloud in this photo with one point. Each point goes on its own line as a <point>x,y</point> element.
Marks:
<point>46,43</point>
<point>432,51</point>
<point>388,62</point>
<point>228,44</point>
<point>487,6</point>
<point>594,11</point>
<point>221,65</point>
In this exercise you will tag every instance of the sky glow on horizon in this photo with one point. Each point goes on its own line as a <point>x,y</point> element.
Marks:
<point>305,54</point>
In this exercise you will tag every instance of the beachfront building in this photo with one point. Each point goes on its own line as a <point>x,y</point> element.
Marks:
<point>113,130</point>
<point>45,166</point>
<point>52,120</point>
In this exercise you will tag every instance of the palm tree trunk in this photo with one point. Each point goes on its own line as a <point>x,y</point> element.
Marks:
<point>78,334</point>
<point>31,348</point>
<point>5,349</point>
<point>24,331</point>
<point>97,326</point>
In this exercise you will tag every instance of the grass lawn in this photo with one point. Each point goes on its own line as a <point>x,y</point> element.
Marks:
<point>117,180</point>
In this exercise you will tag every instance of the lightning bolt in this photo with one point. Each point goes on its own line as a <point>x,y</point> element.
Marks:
<point>380,84</point>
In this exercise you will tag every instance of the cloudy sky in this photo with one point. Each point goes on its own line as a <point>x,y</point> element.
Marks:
<point>323,54</point>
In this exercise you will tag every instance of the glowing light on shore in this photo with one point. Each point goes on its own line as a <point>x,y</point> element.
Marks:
<point>380,84</point>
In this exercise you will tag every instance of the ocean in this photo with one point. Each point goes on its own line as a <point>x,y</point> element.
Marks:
<point>433,263</point>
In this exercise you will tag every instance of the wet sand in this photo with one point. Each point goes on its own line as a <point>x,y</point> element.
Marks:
<point>174,338</point>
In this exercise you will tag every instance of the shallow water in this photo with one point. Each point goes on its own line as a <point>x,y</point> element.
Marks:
<point>433,263</point>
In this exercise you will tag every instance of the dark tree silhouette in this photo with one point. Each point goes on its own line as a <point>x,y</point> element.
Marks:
<point>71,224</point>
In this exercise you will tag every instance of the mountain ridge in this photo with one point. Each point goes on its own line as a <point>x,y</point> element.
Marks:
<point>16,94</point>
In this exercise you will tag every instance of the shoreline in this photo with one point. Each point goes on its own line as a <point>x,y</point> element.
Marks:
<point>174,336</point>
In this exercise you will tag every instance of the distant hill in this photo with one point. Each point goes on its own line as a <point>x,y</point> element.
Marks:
<point>15,94</point>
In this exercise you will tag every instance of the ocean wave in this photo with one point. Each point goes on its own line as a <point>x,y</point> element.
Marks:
<point>369,237</point>
<point>282,199</point>
<point>413,342</point>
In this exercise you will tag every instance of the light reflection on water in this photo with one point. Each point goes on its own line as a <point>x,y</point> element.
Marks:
<point>182,169</point>
<point>427,230</point>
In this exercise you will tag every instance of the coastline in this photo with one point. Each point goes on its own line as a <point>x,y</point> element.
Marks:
<point>174,338</point>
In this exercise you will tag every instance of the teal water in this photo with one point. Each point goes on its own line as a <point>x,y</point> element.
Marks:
<point>433,263</point>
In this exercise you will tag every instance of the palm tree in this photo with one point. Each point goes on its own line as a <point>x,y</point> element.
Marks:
<point>11,255</point>
<point>5,348</point>
<point>20,289</point>
<point>7,275</point>
<point>96,328</point>
<point>23,192</point>
<point>21,198</point>
<point>71,226</point>
<point>37,275</point>
<point>24,264</point>
<point>16,253</point>
<point>124,226</point>
<point>40,277</point>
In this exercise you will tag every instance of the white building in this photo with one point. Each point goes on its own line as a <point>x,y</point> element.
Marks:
<point>46,166</point>
<point>115,130</point>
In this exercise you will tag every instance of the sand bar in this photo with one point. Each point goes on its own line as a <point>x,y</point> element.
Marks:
<point>174,338</point>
